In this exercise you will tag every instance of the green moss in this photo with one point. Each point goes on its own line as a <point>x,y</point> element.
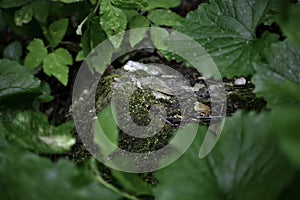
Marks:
<point>246,101</point>
<point>139,105</point>
<point>139,108</point>
<point>103,91</point>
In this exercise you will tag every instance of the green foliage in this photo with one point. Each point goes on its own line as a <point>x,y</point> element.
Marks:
<point>113,21</point>
<point>93,36</point>
<point>158,36</point>
<point>289,19</point>
<point>252,159</point>
<point>132,183</point>
<point>245,164</point>
<point>164,17</point>
<point>285,122</point>
<point>68,1</point>
<point>40,10</point>
<point>31,130</point>
<point>25,175</point>
<point>56,64</point>
<point>130,4</point>
<point>278,79</point>
<point>13,51</point>
<point>36,55</point>
<point>227,30</point>
<point>103,129</point>
<point>16,80</point>
<point>162,4</point>
<point>23,16</point>
<point>56,32</point>
<point>137,21</point>
<point>12,4</point>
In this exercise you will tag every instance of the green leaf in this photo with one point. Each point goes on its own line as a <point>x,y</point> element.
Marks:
<point>56,64</point>
<point>3,131</point>
<point>16,80</point>
<point>36,55</point>
<point>227,30</point>
<point>137,22</point>
<point>12,4</point>
<point>162,4</point>
<point>68,1</point>
<point>158,37</point>
<point>130,14</point>
<point>109,129</point>
<point>93,36</point>
<point>31,130</point>
<point>93,2</point>
<point>289,19</point>
<point>113,21</point>
<point>45,95</point>
<point>286,120</point>
<point>56,32</point>
<point>23,16</point>
<point>132,183</point>
<point>164,17</point>
<point>40,10</point>
<point>241,166</point>
<point>278,81</point>
<point>130,4</point>
<point>27,176</point>
<point>13,51</point>
<point>79,56</point>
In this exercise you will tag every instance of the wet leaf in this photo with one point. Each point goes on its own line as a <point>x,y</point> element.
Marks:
<point>107,127</point>
<point>286,120</point>
<point>132,183</point>
<point>289,20</point>
<point>45,95</point>
<point>56,32</point>
<point>25,175</point>
<point>278,80</point>
<point>40,10</point>
<point>31,130</point>
<point>68,1</point>
<point>227,30</point>
<point>137,22</point>
<point>241,166</point>
<point>36,55</point>
<point>130,14</point>
<point>158,36</point>
<point>130,4</point>
<point>56,64</point>
<point>16,80</point>
<point>164,17</point>
<point>23,16</point>
<point>79,56</point>
<point>93,36</point>
<point>113,21</point>
<point>3,131</point>
<point>13,51</point>
<point>12,4</point>
<point>162,4</point>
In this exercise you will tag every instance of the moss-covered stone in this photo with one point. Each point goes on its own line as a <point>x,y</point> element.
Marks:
<point>244,99</point>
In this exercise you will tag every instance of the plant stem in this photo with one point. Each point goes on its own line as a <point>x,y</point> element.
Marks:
<point>97,6</point>
<point>100,180</point>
